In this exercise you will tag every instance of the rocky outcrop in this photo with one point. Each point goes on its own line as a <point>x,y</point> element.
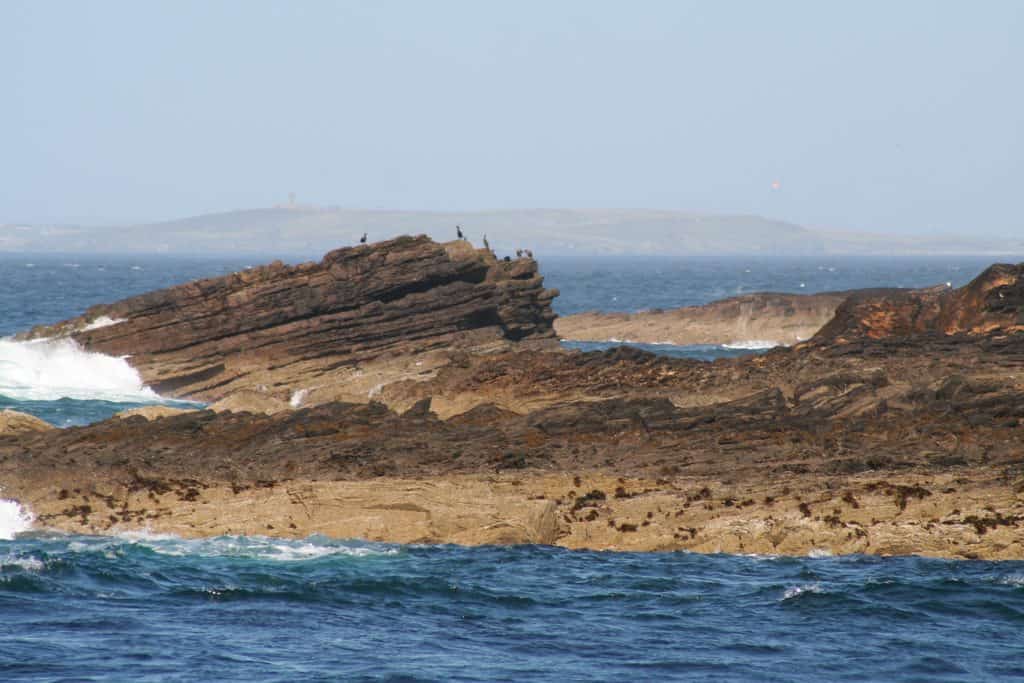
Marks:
<point>14,422</point>
<point>781,318</point>
<point>900,434</point>
<point>992,302</point>
<point>280,329</point>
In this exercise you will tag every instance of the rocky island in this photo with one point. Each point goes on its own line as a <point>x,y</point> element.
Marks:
<point>412,391</point>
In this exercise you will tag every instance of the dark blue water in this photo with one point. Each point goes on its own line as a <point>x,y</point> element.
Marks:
<point>254,609</point>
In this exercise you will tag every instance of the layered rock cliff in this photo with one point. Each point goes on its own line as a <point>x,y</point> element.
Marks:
<point>992,302</point>
<point>280,329</point>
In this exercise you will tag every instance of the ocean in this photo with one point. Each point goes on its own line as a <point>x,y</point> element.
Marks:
<point>150,608</point>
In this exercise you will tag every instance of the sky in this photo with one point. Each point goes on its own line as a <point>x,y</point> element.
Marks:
<point>901,117</point>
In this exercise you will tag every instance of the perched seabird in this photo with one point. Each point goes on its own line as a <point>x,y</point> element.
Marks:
<point>362,240</point>
<point>487,245</point>
<point>458,230</point>
<point>519,253</point>
<point>529,254</point>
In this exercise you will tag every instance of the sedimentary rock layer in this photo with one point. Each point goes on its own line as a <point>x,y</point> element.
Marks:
<point>897,429</point>
<point>991,303</point>
<point>781,318</point>
<point>280,328</point>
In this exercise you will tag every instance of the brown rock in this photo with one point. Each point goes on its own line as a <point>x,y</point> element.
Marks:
<point>781,318</point>
<point>152,412</point>
<point>287,327</point>
<point>14,422</point>
<point>992,302</point>
<point>248,401</point>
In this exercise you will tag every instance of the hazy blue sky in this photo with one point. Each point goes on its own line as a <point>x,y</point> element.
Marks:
<point>888,116</point>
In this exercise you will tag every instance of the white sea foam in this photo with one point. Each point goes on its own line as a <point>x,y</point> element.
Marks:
<point>29,564</point>
<point>50,369</point>
<point>819,553</point>
<point>752,345</point>
<point>14,519</point>
<point>298,396</point>
<point>797,591</point>
<point>250,547</point>
<point>102,321</point>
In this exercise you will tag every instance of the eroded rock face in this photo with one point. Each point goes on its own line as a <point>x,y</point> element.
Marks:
<point>992,302</point>
<point>279,328</point>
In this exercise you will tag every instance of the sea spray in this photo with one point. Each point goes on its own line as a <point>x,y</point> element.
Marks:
<point>752,345</point>
<point>14,519</point>
<point>51,369</point>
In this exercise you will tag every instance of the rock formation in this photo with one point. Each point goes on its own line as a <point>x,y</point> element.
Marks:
<point>14,422</point>
<point>992,302</point>
<point>280,329</point>
<point>782,318</point>
<point>897,429</point>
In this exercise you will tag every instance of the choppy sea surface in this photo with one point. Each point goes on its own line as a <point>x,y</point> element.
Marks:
<point>150,608</point>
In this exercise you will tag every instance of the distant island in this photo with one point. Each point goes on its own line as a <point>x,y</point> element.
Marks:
<point>308,230</point>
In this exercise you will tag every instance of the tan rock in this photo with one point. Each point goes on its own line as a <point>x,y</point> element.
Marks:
<point>14,422</point>
<point>246,401</point>
<point>152,412</point>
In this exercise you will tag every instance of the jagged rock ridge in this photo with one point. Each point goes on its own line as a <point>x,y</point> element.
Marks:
<point>284,325</point>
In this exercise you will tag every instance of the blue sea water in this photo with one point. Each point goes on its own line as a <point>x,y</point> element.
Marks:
<point>142,608</point>
<point>258,609</point>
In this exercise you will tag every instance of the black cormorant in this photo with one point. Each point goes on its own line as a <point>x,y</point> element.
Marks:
<point>362,240</point>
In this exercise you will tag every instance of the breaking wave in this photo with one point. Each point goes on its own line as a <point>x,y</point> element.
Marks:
<point>752,345</point>
<point>14,519</point>
<point>52,369</point>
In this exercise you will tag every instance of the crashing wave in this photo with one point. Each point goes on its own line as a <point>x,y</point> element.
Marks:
<point>51,369</point>
<point>102,321</point>
<point>14,519</point>
<point>751,345</point>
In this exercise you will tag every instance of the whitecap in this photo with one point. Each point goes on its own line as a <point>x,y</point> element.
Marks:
<point>796,591</point>
<point>819,553</point>
<point>14,519</point>
<point>251,547</point>
<point>28,564</point>
<point>102,321</point>
<point>51,369</point>
<point>751,345</point>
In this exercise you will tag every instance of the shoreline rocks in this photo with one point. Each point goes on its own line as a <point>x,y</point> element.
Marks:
<point>785,319</point>
<point>896,429</point>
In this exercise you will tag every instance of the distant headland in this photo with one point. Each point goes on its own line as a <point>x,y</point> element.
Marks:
<point>295,229</point>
